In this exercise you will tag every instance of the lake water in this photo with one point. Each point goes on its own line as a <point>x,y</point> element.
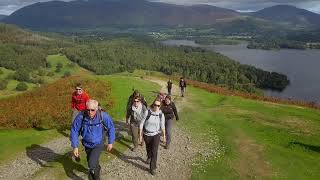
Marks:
<point>301,66</point>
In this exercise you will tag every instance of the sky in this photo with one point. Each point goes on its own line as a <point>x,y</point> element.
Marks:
<point>9,6</point>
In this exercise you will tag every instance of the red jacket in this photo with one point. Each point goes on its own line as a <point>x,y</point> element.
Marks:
<point>78,101</point>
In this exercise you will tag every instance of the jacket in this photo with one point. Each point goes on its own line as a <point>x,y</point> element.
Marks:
<point>91,130</point>
<point>169,111</point>
<point>78,101</point>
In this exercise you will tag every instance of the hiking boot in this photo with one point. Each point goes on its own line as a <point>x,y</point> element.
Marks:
<point>135,149</point>
<point>153,172</point>
<point>167,146</point>
<point>148,161</point>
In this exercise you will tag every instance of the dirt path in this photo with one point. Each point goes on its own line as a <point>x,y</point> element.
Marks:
<point>173,163</point>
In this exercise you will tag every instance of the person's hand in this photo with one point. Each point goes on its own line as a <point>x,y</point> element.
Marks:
<point>164,139</point>
<point>140,139</point>
<point>109,147</point>
<point>76,152</point>
<point>127,122</point>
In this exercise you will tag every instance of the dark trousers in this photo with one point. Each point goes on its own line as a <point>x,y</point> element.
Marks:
<point>182,90</point>
<point>135,134</point>
<point>93,155</point>
<point>152,144</point>
<point>169,91</point>
<point>168,125</point>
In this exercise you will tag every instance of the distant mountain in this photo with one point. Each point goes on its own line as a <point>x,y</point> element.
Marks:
<point>289,14</point>
<point>2,16</point>
<point>95,13</point>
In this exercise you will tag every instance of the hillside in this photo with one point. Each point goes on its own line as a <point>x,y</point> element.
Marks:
<point>2,16</point>
<point>73,14</point>
<point>242,138</point>
<point>290,15</point>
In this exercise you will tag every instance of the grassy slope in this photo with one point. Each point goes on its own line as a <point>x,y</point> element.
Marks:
<point>15,141</point>
<point>252,140</point>
<point>53,60</point>
<point>120,91</point>
<point>12,84</point>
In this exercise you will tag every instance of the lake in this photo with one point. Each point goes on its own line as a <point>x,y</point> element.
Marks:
<point>301,66</point>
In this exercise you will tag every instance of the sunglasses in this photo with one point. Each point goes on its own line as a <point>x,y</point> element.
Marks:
<point>92,110</point>
<point>157,105</point>
<point>78,89</point>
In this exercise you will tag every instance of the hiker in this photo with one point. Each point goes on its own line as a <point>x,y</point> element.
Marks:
<point>169,86</point>
<point>183,86</point>
<point>131,99</point>
<point>150,128</point>
<point>169,110</point>
<point>78,100</point>
<point>93,125</point>
<point>138,112</point>
<point>161,96</point>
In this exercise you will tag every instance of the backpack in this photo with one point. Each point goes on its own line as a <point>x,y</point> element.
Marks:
<point>99,112</point>
<point>149,114</point>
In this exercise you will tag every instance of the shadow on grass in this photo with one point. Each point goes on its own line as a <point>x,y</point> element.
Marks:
<point>306,146</point>
<point>129,159</point>
<point>43,155</point>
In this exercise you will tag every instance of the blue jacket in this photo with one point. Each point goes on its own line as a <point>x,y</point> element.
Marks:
<point>92,130</point>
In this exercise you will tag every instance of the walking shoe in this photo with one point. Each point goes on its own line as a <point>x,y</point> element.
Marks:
<point>153,172</point>
<point>167,146</point>
<point>148,161</point>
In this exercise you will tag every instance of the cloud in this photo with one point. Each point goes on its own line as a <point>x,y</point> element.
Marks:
<point>249,5</point>
<point>9,6</point>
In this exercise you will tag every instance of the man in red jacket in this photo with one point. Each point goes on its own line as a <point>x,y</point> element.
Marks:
<point>78,100</point>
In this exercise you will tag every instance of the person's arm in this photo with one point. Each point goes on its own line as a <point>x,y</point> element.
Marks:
<point>111,131</point>
<point>141,125</point>
<point>174,108</point>
<point>129,104</point>
<point>73,106</point>
<point>74,134</point>
<point>163,128</point>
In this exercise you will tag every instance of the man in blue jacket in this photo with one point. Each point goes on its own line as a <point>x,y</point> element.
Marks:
<point>92,125</point>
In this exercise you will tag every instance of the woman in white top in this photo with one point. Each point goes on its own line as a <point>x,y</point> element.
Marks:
<point>152,126</point>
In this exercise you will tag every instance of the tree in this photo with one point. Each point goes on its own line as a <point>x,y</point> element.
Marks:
<point>22,86</point>
<point>67,74</point>
<point>22,75</point>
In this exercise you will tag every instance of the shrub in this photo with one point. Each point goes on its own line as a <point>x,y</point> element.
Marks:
<point>54,100</point>
<point>22,86</point>
<point>48,65</point>
<point>3,84</point>
<point>42,72</point>
<point>50,74</point>
<point>22,75</point>
<point>58,70</point>
<point>67,74</point>
<point>59,65</point>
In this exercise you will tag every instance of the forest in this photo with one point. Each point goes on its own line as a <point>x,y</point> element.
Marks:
<point>26,52</point>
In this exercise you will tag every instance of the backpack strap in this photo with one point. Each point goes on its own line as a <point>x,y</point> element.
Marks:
<point>102,121</point>
<point>105,128</point>
<point>149,114</point>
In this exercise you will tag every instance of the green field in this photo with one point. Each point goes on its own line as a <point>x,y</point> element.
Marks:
<point>246,139</point>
